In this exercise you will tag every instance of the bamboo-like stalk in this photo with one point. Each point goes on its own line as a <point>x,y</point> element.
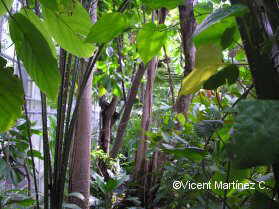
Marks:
<point>59,127</point>
<point>71,93</point>
<point>29,140</point>
<point>46,151</point>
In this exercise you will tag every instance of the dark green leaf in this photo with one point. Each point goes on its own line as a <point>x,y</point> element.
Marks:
<point>150,40</point>
<point>256,134</point>
<point>213,27</point>
<point>235,175</point>
<point>111,185</point>
<point>103,32</point>
<point>53,5</point>
<point>228,37</point>
<point>35,154</point>
<point>157,4</point>
<point>3,62</point>
<point>206,128</point>
<point>36,53</point>
<point>261,201</point>
<point>192,153</point>
<point>11,99</point>
<point>228,74</point>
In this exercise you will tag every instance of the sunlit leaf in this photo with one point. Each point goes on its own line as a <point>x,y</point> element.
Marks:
<point>208,60</point>
<point>4,5</point>
<point>23,203</point>
<point>30,15</point>
<point>36,54</point>
<point>103,32</point>
<point>102,91</point>
<point>150,40</point>
<point>70,30</point>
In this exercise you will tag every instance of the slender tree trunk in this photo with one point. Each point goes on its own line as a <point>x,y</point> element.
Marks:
<point>80,168</point>
<point>127,111</point>
<point>107,115</point>
<point>146,117</point>
<point>187,28</point>
<point>258,30</point>
<point>107,112</point>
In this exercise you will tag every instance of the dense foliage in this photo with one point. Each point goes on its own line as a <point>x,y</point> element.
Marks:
<point>146,152</point>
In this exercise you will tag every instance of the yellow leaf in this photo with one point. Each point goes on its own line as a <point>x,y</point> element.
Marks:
<point>208,60</point>
<point>102,91</point>
<point>181,118</point>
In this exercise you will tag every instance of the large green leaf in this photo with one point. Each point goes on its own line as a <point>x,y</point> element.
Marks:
<point>150,40</point>
<point>103,32</point>
<point>228,74</point>
<point>262,201</point>
<point>4,5</point>
<point>229,36</point>
<point>206,128</point>
<point>235,175</point>
<point>202,9</point>
<point>36,54</point>
<point>192,153</point>
<point>157,4</point>
<point>70,30</point>
<point>11,99</point>
<point>59,5</point>
<point>208,60</point>
<point>256,134</point>
<point>214,25</point>
<point>53,4</point>
<point>30,15</point>
<point>23,203</point>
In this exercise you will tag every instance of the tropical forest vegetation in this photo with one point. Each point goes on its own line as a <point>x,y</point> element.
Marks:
<point>141,104</point>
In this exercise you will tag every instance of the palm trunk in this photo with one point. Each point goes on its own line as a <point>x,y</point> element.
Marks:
<point>80,164</point>
<point>80,168</point>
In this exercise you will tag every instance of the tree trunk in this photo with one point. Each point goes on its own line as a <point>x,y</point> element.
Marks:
<point>146,117</point>
<point>107,113</point>
<point>80,168</point>
<point>257,30</point>
<point>80,165</point>
<point>187,28</point>
<point>127,111</point>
